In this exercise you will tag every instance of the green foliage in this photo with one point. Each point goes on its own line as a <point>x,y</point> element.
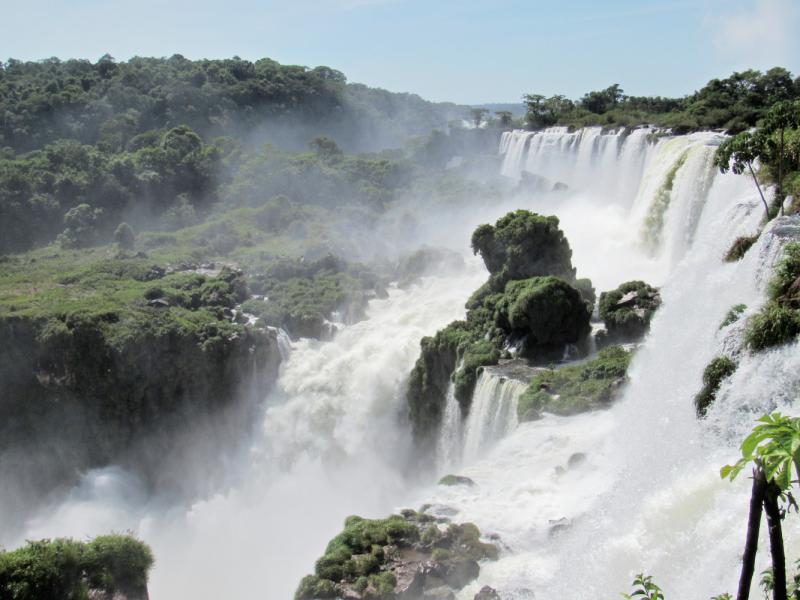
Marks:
<point>773,446</point>
<point>736,103</point>
<point>720,367</point>
<point>577,387</point>
<point>644,587</point>
<point>65,568</point>
<point>312,587</point>
<point>740,247</point>
<point>733,315</point>
<point>585,287</point>
<point>124,236</point>
<point>633,318</point>
<point>522,245</point>
<point>774,325</point>
<point>787,271</point>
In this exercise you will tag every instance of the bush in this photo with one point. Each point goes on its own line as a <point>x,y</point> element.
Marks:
<point>733,315</point>
<point>786,273</point>
<point>65,568</point>
<point>633,319</point>
<point>718,369</point>
<point>739,248</point>
<point>124,236</point>
<point>772,326</point>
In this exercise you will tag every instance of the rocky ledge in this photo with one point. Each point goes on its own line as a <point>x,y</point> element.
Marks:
<point>410,556</point>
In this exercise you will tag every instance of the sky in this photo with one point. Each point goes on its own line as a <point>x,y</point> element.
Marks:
<point>467,51</point>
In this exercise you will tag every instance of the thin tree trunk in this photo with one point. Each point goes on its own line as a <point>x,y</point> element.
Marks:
<point>780,175</point>
<point>753,526</point>
<point>760,193</point>
<point>776,541</point>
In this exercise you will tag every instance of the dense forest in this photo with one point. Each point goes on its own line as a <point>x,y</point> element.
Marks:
<point>734,104</point>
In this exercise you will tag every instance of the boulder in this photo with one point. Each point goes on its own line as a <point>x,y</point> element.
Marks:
<point>487,593</point>
<point>626,312</point>
<point>456,480</point>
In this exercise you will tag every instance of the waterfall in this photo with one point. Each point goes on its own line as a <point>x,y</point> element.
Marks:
<point>634,488</point>
<point>492,414</point>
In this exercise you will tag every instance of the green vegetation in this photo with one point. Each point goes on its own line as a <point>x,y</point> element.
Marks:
<point>736,103</point>
<point>522,298</point>
<point>644,587</point>
<point>739,248</point>
<point>367,556</point>
<point>733,315</point>
<point>575,388</point>
<point>779,320</point>
<point>522,245</point>
<point>626,311</point>
<point>772,449</point>
<point>65,568</point>
<point>720,368</point>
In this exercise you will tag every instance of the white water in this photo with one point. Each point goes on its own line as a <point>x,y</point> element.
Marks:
<point>647,497</point>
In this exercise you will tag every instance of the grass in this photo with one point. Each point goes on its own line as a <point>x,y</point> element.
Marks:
<point>733,315</point>
<point>739,248</point>
<point>65,568</point>
<point>720,368</point>
<point>575,388</point>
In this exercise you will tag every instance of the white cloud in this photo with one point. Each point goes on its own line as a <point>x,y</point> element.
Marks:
<point>759,31</point>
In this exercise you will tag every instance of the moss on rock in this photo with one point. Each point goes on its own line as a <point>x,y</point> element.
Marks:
<point>626,311</point>
<point>576,388</point>
<point>522,245</point>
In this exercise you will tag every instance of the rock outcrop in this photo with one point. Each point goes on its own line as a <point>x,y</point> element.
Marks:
<point>626,312</point>
<point>405,557</point>
<point>528,307</point>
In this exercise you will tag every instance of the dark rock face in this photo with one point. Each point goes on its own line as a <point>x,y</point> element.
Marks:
<point>409,558</point>
<point>626,312</point>
<point>522,245</point>
<point>487,593</point>
<point>76,399</point>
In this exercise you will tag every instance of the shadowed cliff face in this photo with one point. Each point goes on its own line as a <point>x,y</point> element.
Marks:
<point>168,404</point>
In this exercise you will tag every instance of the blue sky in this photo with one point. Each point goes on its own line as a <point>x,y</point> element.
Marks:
<point>468,52</point>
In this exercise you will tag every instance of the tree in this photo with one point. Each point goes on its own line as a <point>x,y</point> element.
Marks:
<point>80,231</point>
<point>774,448</point>
<point>601,102</point>
<point>782,116</point>
<point>505,117</point>
<point>124,236</point>
<point>476,115</point>
<point>325,147</point>
<point>544,112</point>
<point>743,150</point>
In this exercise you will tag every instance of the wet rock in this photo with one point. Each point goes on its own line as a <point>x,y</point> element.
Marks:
<point>442,593</point>
<point>456,573</point>
<point>576,459</point>
<point>451,480</point>
<point>626,312</point>
<point>558,525</point>
<point>487,593</point>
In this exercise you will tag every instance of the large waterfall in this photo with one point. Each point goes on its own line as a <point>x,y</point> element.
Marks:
<point>580,503</point>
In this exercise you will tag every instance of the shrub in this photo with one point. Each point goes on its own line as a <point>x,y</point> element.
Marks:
<point>65,568</point>
<point>718,369</point>
<point>787,271</point>
<point>772,326</point>
<point>312,587</point>
<point>739,248</point>
<point>124,236</point>
<point>733,315</point>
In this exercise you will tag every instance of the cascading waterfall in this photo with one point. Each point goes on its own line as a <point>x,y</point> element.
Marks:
<point>492,415</point>
<point>638,485</point>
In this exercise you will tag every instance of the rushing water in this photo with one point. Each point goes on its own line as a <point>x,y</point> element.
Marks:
<point>581,503</point>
